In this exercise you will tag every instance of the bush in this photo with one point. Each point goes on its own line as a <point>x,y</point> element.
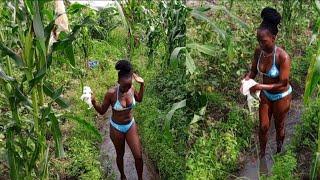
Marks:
<point>284,166</point>
<point>161,151</point>
<point>214,155</point>
<point>304,141</point>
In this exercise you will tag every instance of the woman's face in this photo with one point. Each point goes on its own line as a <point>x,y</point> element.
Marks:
<point>266,39</point>
<point>125,84</point>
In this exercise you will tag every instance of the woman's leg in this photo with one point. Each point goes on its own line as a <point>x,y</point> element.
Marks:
<point>133,141</point>
<point>265,113</point>
<point>118,140</point>
<point>280,111</point>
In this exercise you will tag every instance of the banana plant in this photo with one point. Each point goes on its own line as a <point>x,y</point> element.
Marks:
<point>26,134</point>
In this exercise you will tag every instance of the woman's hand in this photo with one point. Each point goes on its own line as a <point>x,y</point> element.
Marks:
<point>138,78</point>
<point>255,88</point>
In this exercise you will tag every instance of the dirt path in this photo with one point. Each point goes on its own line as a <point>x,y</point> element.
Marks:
<point>252,163</point>
<point>108,156</point>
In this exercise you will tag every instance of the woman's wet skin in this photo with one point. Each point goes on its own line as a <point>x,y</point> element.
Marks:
<point>267,43</point>
<point>125,98</point>
<point>267,109</point>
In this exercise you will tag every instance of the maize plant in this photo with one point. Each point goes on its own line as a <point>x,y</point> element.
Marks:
<point>312,85</point>
<point>174,13</point>
<point>32,128</point>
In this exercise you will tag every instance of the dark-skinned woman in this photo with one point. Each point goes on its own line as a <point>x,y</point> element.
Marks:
<point>123,98</point>
<point>274,64</point>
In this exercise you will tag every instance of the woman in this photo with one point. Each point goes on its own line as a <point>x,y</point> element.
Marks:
<point>274,64</point>
<point>123,98</point>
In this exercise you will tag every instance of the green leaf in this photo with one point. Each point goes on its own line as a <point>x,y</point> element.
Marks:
<point>239,21</point>
<point>175,106</point>
<point>206,49</point>
<point>17,59</point>
<point>39,32</point>
<point>85,125</point>
<point>29,7</point>
<point>175,53</point>
<point>76,7</point>
<point>41,46</point>
<point>45,163</point>
<point>37,78</point>
<point>66,44</point>
<point>190,65</point>
<point>4,76</point>
<point>57,93</point>
<point>313,78</point>
<point>47,31</point>
<point>57,136</point>
<point>21,97</point>
<point>317,3</point>
<point>13,158</point>
<point>203,9</point>
<point>37,22</point>
<point>195,118</point>
<point>70,54</point>
<point>49,13</point>
<point>35,154</point>
<point>49,60</point>
<point>49,91</point>
<point>199,15</point>
<point>166,130</point>
<point>203,110</point>
<point>28,49</point>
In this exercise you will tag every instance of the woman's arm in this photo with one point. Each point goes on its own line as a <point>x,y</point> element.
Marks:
<point>281,85</point>
<point>139,95</point>
<point>101,109</point>
<point>253,71</point>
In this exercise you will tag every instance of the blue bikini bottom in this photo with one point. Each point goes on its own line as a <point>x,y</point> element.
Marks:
<point>124,128</point>
<point>277,96</point>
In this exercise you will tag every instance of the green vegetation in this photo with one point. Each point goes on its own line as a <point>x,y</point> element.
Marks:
<point>221,40</point>
<point>193,122</point>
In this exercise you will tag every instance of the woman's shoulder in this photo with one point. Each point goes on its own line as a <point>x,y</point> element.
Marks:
<point>112,90</point>
<point>282,54</point>
<point>257,51</point>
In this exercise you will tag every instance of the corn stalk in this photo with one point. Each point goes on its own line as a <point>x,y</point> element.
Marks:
<point>312,85</point>
<point>25,134</point>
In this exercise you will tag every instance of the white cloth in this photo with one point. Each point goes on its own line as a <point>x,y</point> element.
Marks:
<point>245,90</point>
<point>86,96</point>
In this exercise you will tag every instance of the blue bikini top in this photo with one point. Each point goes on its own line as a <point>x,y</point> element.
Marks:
<point>118,107</point>
<point>273,71</point>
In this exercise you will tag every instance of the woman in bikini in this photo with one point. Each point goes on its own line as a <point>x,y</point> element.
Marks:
<point>274,64</point>
<point>123,98</point>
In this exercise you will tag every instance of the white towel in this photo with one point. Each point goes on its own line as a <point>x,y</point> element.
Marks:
<point>86,96</point>
<point>245,90</point>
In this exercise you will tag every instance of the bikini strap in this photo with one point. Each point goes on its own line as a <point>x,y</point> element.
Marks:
<point>118,93</point>
<point>274,55</point>
<point>259,61</point>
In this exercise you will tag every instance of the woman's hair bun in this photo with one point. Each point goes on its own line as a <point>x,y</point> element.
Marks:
<point>123,65</point>
<point>270,16</point>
